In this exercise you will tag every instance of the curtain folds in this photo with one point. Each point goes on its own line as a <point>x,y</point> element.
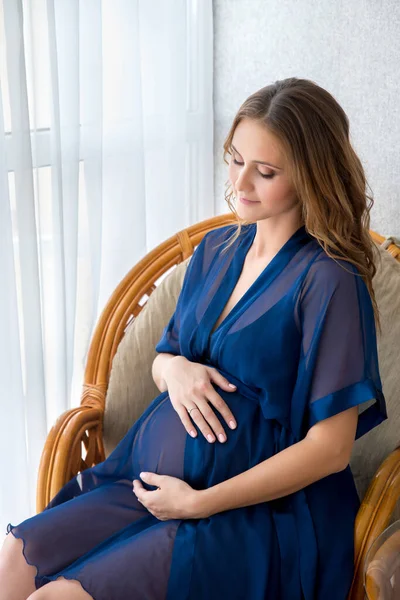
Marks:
<point>106,149</point>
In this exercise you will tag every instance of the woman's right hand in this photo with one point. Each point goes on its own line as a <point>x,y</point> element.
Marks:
<point>189,386</point>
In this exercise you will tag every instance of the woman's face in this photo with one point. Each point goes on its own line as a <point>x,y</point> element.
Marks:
<point>268,185</point>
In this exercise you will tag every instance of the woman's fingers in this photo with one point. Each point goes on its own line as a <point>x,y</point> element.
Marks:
<point>206,419</point>
<point>199,418</point>
<point>204,397</point>
<point>222,407</point>
<point>220,379</point>
<point>186,421</point>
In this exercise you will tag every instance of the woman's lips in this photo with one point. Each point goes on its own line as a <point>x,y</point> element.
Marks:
<point>246,201</point>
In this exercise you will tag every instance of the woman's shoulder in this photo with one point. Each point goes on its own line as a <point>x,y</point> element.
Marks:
<point>213,241</point>
<point>325,273</point>
<point>219,235</point>
<point>223,232</point>
<point>209,250</point>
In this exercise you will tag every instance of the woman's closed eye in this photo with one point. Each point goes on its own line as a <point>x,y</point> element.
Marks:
<point>262,175</point>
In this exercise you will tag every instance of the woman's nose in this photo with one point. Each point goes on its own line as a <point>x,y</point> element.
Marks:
<point>243,183</point>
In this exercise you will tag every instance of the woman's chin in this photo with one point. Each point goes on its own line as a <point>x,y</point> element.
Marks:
<point>244,210</point>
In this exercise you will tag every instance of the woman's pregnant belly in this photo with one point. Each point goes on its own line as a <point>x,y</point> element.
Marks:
<point>162,445</point>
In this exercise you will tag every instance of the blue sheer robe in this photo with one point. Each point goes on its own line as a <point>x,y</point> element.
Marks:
<point>300,345</point>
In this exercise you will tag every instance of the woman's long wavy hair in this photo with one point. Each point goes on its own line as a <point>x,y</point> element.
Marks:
<point>326,173</point>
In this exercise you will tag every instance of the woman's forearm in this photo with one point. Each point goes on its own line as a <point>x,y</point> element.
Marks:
<point>284,473</point>
<point>158,369</point>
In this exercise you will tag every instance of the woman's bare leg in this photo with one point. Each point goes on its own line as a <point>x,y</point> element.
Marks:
<point>17,578</point>
<point>61,589</point>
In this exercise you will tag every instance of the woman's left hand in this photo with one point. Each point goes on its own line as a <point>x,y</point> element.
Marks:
<point>175,499</point>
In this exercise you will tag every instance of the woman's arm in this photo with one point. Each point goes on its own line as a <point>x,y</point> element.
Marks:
<point>158,369</point>
<point>325,450</point>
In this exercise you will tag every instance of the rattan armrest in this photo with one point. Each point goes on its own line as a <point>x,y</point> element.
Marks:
<point>75,432</point>
<point>382,567</point>
<point>374,515</point>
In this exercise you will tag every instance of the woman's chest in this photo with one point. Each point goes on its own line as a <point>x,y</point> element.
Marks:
<point>262,346</point>
<point>250,272</point>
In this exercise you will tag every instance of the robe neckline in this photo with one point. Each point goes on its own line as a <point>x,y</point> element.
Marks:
<point>236,261</point>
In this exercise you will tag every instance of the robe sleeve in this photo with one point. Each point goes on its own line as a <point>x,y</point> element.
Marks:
<point>339,357</point>
<point>169,341</point>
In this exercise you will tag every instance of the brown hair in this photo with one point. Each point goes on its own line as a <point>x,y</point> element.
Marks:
<point>326,172</point>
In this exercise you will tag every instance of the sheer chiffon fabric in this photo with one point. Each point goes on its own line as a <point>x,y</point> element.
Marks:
<point>301,347</point>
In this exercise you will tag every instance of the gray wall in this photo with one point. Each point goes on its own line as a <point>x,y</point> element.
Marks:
<point>351,49</point>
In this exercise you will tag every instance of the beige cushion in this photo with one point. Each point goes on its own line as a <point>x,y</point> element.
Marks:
<point>370,450</point>
<point>131,387</point>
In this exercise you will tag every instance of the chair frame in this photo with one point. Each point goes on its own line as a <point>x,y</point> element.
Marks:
<point>383,565</point>
<point>75,442</point>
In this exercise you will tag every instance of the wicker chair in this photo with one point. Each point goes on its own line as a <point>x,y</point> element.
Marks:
<point>76,440</point>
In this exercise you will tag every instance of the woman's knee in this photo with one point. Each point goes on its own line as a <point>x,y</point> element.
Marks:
<point>15,572</point>
<point>10,546</point>
<point>61,589</point>
<point>11,553</point>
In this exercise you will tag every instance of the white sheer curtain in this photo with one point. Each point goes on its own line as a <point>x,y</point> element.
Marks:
<point>106,149</point>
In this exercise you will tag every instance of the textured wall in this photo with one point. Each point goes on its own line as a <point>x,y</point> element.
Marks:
<point>351,49</point>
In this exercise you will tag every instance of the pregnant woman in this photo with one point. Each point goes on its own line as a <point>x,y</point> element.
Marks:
<point>280,306</point>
